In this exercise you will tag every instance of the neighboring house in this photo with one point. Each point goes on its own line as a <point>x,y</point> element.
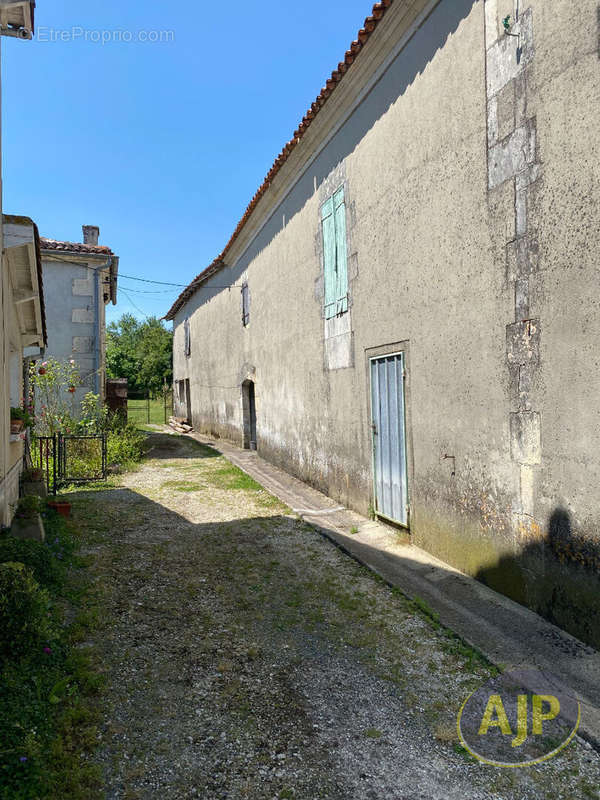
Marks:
<point>79,280</point>
<point>23,326</point>
<point>21,302</point>
<point>415,324</point>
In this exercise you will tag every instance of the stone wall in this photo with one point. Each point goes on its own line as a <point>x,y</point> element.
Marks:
<point>470,170</point>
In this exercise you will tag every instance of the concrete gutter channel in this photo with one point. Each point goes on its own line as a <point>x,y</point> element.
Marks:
<point>508,634</point>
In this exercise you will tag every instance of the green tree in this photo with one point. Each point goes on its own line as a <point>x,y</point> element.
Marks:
<point>141,351</point>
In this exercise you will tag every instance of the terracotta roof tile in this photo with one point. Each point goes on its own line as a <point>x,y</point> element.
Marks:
<point>356,46</point>
<point>74,247</point>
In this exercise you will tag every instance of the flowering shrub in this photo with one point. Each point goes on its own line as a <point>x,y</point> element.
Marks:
<point>55,404</point>
<point>59,412</point>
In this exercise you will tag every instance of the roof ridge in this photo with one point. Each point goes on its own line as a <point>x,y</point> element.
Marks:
<point>370,23</point>
<point>75,247</point>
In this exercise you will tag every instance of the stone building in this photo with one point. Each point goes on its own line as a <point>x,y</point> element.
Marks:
<point>23,326</point>
<point>80,279</point>
<point>22,322</point>
<point>412,321</point>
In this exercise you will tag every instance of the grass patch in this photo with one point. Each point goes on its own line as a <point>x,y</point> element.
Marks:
<point>231,477</point>
<point>137,411</point>
<point>228,477</point>
<point>47,697</point>
<point>428,612</point>
<point>462,751</point>
<point>588,789</point>
<point>182,486</point>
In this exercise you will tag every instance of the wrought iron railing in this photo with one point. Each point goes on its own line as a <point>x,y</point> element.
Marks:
<point>69,459</point>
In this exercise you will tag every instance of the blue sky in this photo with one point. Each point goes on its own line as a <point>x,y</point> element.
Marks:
<point>160,144</point>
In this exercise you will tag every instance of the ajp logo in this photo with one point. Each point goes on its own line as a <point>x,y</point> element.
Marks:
<point>517,719</point>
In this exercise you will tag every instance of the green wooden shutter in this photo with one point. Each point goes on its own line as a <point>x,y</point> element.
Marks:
<point>341,292</point>
<point>329,258</point>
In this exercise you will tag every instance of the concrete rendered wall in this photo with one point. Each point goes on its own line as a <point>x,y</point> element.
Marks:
<point>470,177</point>
<point>553,201</point>
<point>72,321</point>
<point>4,361</point>
<point>11,453</point>
<point>11,393</point>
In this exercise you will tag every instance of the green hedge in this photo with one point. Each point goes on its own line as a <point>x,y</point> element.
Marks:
<point>24,612</point>
<point>45,720</point>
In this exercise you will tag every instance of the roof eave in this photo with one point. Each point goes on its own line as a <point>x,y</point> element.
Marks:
<point>26,240</point>
<point>190,290</point>
<point>370,24</point>
<point>17,18</point>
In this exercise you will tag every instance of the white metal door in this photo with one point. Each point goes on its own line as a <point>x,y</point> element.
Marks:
<point>389,437</point>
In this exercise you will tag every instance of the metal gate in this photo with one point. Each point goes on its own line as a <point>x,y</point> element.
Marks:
<point>389,438</point>
<point>146,409</point>
<point>70,459</point>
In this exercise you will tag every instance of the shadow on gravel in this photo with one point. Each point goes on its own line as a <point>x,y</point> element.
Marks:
<point>168,446</point>
<point>203,640</point>
<point>228,644</point>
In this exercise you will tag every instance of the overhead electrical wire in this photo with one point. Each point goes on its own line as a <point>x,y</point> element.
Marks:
<point>143,291</point>
<point>180,285</point>
<point>148,280</point>
<point>137,308</point>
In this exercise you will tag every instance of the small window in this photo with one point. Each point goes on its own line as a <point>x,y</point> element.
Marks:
<point>187,343</point>
<point>335,268</point>
<point>245,304</point>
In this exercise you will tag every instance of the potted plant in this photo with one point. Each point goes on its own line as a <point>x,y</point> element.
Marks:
<point>19,419</point>
<point>34,482</point>
<point>33,475</point>
<point>29,507</point>
<point>61,506</point>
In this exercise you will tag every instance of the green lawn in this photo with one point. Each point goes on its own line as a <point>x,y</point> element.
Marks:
<point>137,411</point>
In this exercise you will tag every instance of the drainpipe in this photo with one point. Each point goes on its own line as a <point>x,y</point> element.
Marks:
<point>98,336</point>
<point>97,342</point>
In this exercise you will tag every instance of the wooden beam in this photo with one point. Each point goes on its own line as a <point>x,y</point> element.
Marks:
<point>24,297</point>
<point>29,338</point>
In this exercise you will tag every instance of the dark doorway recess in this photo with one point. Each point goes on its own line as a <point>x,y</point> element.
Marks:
<point>249,409</point>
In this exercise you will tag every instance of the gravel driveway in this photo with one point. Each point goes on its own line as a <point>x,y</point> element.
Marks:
<point>249,658</point>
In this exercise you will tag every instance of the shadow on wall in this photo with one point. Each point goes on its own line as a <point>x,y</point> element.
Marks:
<point>431,37</point>
<point>558,576</point>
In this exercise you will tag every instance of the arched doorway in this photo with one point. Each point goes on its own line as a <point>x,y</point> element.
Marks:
<point>249,412</point>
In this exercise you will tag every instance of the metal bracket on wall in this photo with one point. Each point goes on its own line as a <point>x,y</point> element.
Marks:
<point>445,456</point>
